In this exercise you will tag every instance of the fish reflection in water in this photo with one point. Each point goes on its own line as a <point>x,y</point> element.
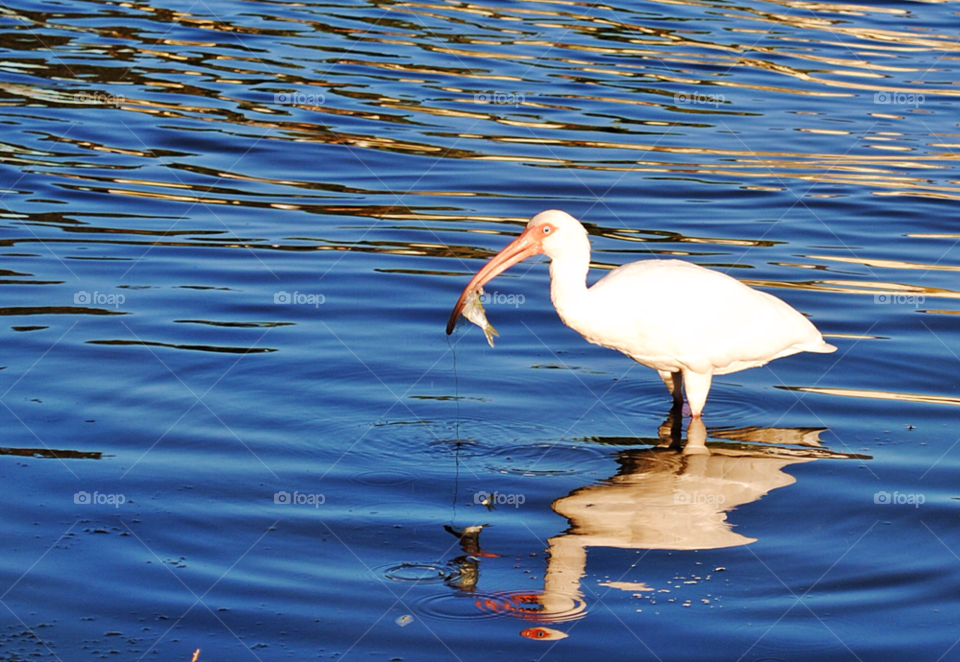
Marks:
<point>468,563</point>
<point>674,496</point>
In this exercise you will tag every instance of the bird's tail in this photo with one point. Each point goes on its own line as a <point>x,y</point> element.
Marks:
<point>820,348</point>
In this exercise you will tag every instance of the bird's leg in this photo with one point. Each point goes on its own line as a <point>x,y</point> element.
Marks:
<point>674,385</point>
<point>697,385</point>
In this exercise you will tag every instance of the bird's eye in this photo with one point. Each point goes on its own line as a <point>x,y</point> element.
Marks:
<point>546,229</point>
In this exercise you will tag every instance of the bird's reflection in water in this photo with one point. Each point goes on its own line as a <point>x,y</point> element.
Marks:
<point>673,496</point>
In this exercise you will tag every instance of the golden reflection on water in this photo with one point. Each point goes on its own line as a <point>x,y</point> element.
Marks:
<point>460,252</point>
<point>50,453</point>
<point>885,264</point>
<point>787,45</point>
<point>398,81</point>
<point>872,288</point>
<point>878,395</point>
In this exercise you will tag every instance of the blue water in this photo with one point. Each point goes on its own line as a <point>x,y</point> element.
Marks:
<point>231,236</point>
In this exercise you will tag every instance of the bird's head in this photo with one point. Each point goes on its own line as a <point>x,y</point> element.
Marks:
<point>553,232</point>
<point>558,233</point>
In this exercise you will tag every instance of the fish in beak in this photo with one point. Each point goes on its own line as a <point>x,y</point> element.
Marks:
<point>526,245</point>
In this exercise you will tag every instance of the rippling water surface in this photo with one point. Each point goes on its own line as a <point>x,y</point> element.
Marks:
<point>232,232</point>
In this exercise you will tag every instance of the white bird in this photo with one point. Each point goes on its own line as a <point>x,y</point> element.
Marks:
<point>686,322</point>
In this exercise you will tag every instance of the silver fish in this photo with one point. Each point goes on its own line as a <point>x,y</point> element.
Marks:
<point>473,311</point>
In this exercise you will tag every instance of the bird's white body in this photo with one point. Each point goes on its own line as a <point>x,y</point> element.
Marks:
<point>676,317</point>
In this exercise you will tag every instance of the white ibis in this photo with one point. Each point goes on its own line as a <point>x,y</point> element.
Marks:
<point>686,322</point>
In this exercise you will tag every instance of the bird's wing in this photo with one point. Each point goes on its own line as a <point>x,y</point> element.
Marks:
<point>703,319</point>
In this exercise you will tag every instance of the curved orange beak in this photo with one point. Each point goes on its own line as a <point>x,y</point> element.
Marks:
<point>518,250</point>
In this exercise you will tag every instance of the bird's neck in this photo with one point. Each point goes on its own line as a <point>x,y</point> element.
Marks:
<point>568,284</point>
